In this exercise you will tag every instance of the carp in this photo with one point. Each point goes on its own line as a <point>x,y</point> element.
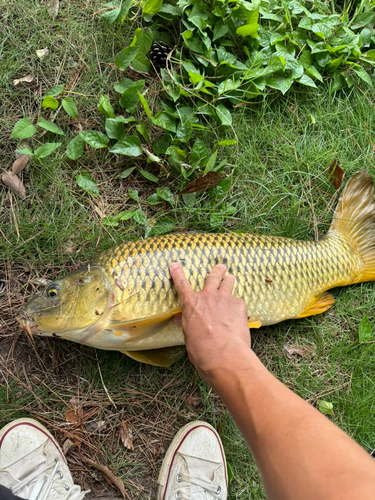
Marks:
<point>124,299</point>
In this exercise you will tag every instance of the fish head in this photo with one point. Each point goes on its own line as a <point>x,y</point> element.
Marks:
<point>73,307</point>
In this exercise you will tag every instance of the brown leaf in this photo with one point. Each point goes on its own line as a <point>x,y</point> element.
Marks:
<point>67,445</point>
<point>109,474</point>
<point>27,79</point>
<point>14,184</point>
<point>294,349</point>
<point>209,180</point>
<point>337,174</point>
<point>70,416</point>
<point>126,436</point>
<point>20,164</point>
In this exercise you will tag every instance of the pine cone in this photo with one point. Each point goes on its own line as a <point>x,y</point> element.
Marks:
<point>158,55</point>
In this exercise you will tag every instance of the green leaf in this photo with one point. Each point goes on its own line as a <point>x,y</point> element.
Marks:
<point>48,125</point>
<point>87,183</point>
<point>50,102</point>
<point>220,30</point>
<point>54,91</point>
<point>110,220</point>
<point>211,162</point>
<point>125,57</point>
<point>118,14</point>
<point>151,7</point>
<point>142,130</point>
<point>124,84</point>
<point>105,107</point>
<point>199,154</point>
<point>154,199</point>
<point>133,193</point>
<point>325,407</point>
<point>149,176</point>
<point>163,226</point>
<point>165,194</point>
<point>75,148</point>
<point>177,154</point>
<point>95,139</point>
<point>126,215</point>
<point>114,129</point>
<point>165,121</point>
<point>306,80</point>
<point>69,105</point>
<point>224,115</point>
<point>143,39</point>
<point>47,149</point>
<point>25,151</point>
<point>126,173</point>
<point>141,63</point>
<point>131,146</point>
<point>362,19</point>
<point>140,217</point>
<point>248,30</point>
<point>129,99</point>
<point>23,129</point>
<point>363,75</point>
<point>145,105</point>
<point>122,119</point>
<point>364,330</point>
<point>282,83</point>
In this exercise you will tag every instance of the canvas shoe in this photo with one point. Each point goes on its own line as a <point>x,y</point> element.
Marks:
<point>32,464</point>
<point>194,467</point>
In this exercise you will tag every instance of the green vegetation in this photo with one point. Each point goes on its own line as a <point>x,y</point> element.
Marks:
<point>276,181</point>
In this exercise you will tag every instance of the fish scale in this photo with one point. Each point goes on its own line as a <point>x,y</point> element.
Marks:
<point>125,300</point>
<point>276,277</point>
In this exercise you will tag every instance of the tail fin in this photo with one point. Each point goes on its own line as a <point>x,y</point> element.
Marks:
<point>354,218</point>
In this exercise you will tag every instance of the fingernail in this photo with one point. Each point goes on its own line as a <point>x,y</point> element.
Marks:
<point>174,265</point>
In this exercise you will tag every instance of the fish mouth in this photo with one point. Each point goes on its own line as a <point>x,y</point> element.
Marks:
<point>27,324</point>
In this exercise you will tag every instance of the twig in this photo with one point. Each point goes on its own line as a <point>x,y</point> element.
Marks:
<point>105,388</point>
<point>5,237</point>
<point>114,479</point>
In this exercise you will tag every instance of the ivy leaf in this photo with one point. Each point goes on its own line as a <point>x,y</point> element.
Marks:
<point>143,40</point>
<point>131,146</point>
<point>125,57</point>
<point>69,105</point>
<point>211,162</point>
<point>47,149</point>
<point>282,83</point>
<point>165,121</point>
<point>95,139</point>
<point>166,194</point>
<point>87,183</point>
<point>199,154</point>
<point>163,226</point>
<point>122,119</point>
<point>105,107</point>
<point>75,148</point>
<point>149,176</point>
<point>145,105</point>
<point>363,75</point>
<point>126,173</point>
<point>125,83</point>
<point>220,30</point>
<point>364,330</point>
<point>141,63</point>
<point>23,129</point>
<point>129,99</point>
<point>126,215</point>
<point>306,80</point>
<point>151,7</point>
<point>114,129</point>
<point>55,91</point>
<point>142,130</point>
<point>140,217</point>
<point>50,126</point>
<point>224,115</point>
<point>133,193</point>
<point>154,199</point>
<point>50,102</point>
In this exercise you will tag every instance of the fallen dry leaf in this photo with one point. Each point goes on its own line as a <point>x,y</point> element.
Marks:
<point>109,474</point>
<point>209,180</point>
<point>337,174</point>
<point>70,416</point>
<point>14,184</point>
<point>42,53</point>
<point>20,164</point>
<point>126,436</point>
<point>67,445</point>
<point>27,79</point>
<point>294,349</point>
<point>54,9</point>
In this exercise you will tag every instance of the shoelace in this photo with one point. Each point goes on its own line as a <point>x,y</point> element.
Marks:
<point>205,485</point>
<point>44,482</point>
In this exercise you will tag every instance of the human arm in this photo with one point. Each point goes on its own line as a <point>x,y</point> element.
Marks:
<point>301,454</point>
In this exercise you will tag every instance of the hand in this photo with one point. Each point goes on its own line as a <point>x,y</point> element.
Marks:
<point>214,322</point>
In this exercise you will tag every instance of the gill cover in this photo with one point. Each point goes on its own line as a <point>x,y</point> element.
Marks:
<point>79,303</point>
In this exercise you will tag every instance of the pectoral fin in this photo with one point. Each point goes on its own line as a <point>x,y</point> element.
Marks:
<point>144,327</point>
<point>254,324</point>
<point>164,357</point>
<point>320,304</point>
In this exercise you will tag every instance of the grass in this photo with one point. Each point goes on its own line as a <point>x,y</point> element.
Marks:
<point>281,187</point>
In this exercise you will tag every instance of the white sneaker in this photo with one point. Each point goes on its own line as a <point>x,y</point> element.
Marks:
<point>194,467</point>
<point>32,464</point>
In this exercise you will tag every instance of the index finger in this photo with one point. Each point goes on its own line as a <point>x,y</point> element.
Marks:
<point>181,284</point>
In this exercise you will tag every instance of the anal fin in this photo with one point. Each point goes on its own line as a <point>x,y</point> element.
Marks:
<point>320,304</point>
<point>164,356</point>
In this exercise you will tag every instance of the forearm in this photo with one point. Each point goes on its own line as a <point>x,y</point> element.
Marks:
<point>300,453</point>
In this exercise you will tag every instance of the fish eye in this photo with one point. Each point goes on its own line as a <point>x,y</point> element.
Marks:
<point>52,290</point>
